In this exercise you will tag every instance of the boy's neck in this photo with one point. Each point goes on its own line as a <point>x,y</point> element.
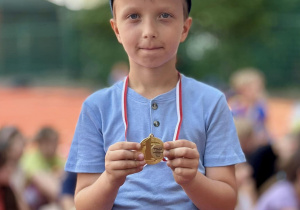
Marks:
<point>152,82</point>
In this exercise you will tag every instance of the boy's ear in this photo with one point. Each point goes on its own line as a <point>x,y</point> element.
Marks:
<point>114,27</point>
<point>186,28</point>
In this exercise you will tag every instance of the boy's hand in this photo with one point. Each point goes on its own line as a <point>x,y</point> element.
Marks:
<point>183,159</point>
<point>122,159</point>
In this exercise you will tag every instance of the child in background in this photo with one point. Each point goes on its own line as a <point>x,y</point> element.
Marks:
<point>187,119</point>
<point>248,101</point>
<point>11,176</point>
<point>243,171</point>
<point>44,170</point>
<point>286,146</point>
<point>247,195</point>
<point>8,199</point>
<point>285,194</point>
<point>245,131</point>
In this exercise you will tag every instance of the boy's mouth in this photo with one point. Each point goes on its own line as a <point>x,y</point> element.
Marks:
<point>150,48</point>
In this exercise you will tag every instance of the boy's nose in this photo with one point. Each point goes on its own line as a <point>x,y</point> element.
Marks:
<point>150,30</point>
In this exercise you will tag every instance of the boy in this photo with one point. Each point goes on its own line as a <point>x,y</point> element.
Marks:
<point>154,99</point>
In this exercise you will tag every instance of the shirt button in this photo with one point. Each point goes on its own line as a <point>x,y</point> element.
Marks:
<point>156,123</point>
<point>154,106</point>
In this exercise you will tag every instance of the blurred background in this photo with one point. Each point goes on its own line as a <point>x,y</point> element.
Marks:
<point>53,54</point>
<point>41,40</point>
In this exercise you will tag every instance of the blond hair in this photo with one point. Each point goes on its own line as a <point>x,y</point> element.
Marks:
<point>243,77</point>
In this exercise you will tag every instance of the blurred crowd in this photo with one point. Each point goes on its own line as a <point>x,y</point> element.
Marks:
<point>32,178</point>
<point>270,178</point>
<point>32,175</point>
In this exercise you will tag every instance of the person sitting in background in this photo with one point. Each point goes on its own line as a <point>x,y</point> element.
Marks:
<point>247,195</point>
<point>44,170</point>
<point>268,160</point>
<point>248,101</point>
<point>243,171</point>
<point>245,131</point>
<point>284,194</point>
<point>286,146</point>
<point>8,198</point>
<point>264,164</point>
<point>11,182</point>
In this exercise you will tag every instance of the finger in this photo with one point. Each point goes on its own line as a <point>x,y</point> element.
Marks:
<point>124,164</point>
<point>181,152</point>
<point>185,172</point>
<point>183,163</point>
<point>124,155</point>
<point>122,173</point>
<point>125,146</point>
<point>179,143</point>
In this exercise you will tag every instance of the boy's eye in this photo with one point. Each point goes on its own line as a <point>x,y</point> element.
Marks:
<point>165,15</point>
<point>133,16</point>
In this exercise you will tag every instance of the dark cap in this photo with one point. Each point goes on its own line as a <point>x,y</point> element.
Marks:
<point>189,2</point>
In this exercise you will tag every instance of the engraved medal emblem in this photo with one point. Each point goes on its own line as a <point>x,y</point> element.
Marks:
<point>153,149</point>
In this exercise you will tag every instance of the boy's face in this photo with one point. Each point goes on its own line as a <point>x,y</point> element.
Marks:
<point>150,30</point>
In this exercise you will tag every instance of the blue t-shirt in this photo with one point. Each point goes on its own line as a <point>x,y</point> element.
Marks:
<point>207,122</point>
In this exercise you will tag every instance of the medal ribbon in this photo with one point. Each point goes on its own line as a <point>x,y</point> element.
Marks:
<point>178,107</point>
<point>124,105</point>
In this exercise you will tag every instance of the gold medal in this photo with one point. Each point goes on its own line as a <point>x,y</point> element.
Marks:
<point>153,149</point>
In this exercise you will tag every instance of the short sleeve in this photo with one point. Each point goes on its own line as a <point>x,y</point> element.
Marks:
<point>87,154</point>
<point>222,144</point>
